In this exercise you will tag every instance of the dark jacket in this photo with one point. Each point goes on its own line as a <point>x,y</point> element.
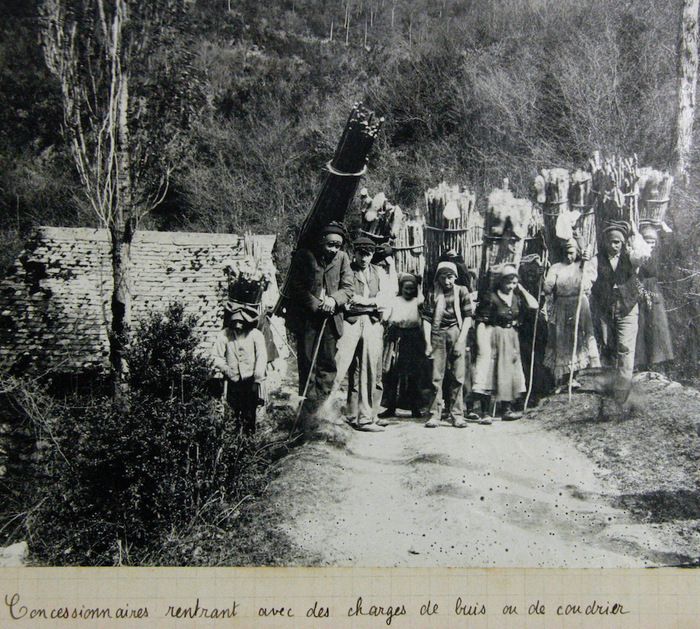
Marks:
<point>618,286</point>
<point>308,276</point>
<point>352,314</point>
<point>492,310</point>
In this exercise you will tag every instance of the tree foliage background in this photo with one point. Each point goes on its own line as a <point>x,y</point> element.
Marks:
<point>472,91</point>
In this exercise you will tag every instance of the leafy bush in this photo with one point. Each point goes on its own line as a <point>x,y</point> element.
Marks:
<point>120,483</point>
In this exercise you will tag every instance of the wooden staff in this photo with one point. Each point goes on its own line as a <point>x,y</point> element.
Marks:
<point>312,369</point>
<point>576,324</point>
<point>534,332</point>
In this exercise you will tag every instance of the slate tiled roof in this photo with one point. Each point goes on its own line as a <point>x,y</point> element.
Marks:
<point>55,300</point>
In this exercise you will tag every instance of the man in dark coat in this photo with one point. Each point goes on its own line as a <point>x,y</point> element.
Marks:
<point>320,283</point>
<point>614,301</point>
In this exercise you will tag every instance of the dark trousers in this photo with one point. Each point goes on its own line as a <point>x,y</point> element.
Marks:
<point>242,398</point>
<point>325,369</point>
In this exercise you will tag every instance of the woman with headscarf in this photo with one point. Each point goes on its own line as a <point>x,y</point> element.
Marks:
<point>653,338</point>
<point>447,314</point>
<point>563,285</point>
<point>498,371</point>
<point>404,363</point>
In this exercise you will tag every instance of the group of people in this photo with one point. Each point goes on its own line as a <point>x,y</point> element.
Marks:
<point>357,318</point>
<point>621,320</point>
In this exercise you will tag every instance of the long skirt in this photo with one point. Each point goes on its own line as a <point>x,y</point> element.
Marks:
<point>560,337</point>
<point>406,370</point>
<point>653,336</point>
<point>498,370</point>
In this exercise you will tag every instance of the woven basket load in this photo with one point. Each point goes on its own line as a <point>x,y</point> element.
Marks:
<point>452,222</point>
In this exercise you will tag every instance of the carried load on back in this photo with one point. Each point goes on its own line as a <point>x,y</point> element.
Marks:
<point>509,222</point>
<point>452,224</point>
<point>340,182</point>
<point>654,197</point>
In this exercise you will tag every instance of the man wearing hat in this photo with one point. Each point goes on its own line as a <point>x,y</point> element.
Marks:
<point>320,284</point>
<point>241,356</point>
<point>360,348</point>
<point>614,301</point>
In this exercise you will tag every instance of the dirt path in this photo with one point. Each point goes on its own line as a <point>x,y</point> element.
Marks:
<point>510,494</point>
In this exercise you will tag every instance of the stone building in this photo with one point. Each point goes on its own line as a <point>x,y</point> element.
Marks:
<point>55,299</point>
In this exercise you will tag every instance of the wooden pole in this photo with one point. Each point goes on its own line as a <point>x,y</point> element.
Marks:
<point>534,332</point>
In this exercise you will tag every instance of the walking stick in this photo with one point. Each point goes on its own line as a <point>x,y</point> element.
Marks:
<point>578,316</point>
<point>312,369</point>
<point>534,332</point>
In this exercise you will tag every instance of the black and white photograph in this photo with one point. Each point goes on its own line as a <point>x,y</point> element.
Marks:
<point>349,283</point>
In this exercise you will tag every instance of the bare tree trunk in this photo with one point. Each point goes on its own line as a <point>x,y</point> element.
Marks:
<point>687,79</point>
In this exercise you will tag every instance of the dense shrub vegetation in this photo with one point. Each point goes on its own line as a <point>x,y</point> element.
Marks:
<point>472,91</point>
<point>116,486</point>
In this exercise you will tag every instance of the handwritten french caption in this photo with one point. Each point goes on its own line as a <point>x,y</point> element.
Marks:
<point>16,608</point>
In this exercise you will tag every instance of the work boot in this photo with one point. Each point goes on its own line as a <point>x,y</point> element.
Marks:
<point>458,422</point>
<point>389,412</point>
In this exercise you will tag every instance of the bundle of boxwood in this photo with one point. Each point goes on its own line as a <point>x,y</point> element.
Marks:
<point>452,222</point>
<point>654,196</point>
<point>340,180</point>
<point>552,188</point>
<point>343,173</point>
<point>408,247</point>
<point>508,222</point>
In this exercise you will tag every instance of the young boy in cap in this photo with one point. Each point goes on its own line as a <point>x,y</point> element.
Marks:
<point>240,354</point>
<point>446,315</point>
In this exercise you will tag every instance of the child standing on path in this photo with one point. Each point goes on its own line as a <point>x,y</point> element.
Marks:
<point>498,371</point>
<point>446,315</point>
<point>240,354</point>
<point>404,363</point>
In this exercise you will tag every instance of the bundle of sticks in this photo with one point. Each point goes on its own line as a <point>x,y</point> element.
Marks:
<point>246,281</point>
<point>451,221</point>
<point>343,173</point>
<point>654,197</point>
<point>583,200</point>
<point>615,181</point>
<point>408,247</point>
<point>552,189</point>
<point>341,179</point>
<point>508,223</point>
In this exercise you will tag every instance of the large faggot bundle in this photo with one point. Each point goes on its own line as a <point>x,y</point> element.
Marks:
<point>381,219</point>
<point>615,184</point>
<point>452,222</point>
<point>408,247</point>
<point>552,190</point>
<point>654,196</point>
<point>246,281</point>
<point>508,224</point>
<point>583,200</point>
<point>340,182</point>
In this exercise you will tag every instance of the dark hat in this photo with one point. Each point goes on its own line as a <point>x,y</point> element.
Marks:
<point>333,228</point>
<point>617,226</point>
<point>363,243</point>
